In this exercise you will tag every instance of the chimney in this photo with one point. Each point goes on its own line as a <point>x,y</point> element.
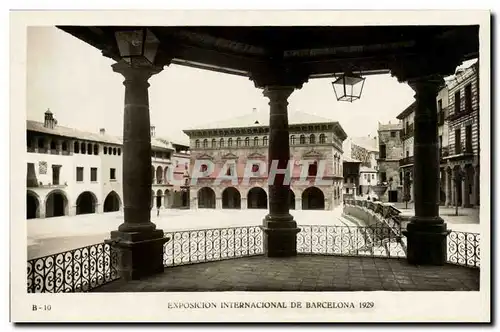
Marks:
<point>102,131</point>
<point>49,121</point>
<point>152,131</point>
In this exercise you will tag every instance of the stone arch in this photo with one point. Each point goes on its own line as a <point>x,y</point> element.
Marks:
<point>205,143</point>
<point>291,199</point>
<point>313,199</point>
<point>56,204</point>
<point>167,199</point>
<point>312,139</point>
<point>302,139</point>
<point>159,174</point>
<point>86,203</point>
<point>112,202</point>
<point>159,195</point>
<point>322,139</point>
<point>32,205</point>
<point>206,198</point>
<point>231,198</point>
<point>257,198</point>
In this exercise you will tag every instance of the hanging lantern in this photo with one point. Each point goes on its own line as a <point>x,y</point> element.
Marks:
<point>137,46</point>
<point>348,87</point>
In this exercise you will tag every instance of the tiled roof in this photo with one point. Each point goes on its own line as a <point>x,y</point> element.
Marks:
<point>88,136</point>
<point>407,111</point>
<point>261,118</point>
<point>366,142</point>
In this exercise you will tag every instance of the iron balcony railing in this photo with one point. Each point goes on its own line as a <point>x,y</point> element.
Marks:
<point>77,270</point>
<point>406,161</point>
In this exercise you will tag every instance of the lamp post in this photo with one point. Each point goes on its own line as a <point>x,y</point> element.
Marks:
<point>348,86</point>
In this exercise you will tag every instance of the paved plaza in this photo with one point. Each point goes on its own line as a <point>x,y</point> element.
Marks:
<point>304,273</point>
<point>53,235</point>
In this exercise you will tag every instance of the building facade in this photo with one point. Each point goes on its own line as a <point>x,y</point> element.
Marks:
<point>390,152</point>
<point>461,170</point>
<point>351,177</point>
<point>239,146</point>
<point>72,172</point>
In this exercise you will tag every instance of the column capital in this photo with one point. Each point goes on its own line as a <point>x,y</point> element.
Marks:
<point>133,73</point>
<point>278,93</point>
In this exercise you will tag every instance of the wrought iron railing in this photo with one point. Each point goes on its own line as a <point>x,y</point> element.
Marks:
<point>406,161</point>
<point>463,249</point>
<point>350,241</point>
<point>206,245</point>
<point>77,270</point>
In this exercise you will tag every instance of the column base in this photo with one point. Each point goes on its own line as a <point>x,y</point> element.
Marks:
<point>280,237</point>
<point>139,254</point>
<point>426,243</point>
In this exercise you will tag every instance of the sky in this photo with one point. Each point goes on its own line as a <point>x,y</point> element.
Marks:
<point>77,83</point>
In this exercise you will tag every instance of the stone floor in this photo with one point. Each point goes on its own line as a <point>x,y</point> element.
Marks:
<point>304,273</point>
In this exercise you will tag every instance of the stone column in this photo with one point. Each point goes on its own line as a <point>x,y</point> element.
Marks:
<point>138,244</point>
<point>298,203</point>
<point>244,203</point>
<point>426,233</point>
<point>280,230</point>
<point>218,203</point>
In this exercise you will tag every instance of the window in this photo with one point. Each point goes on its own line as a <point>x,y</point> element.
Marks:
<point>373,176</point>
<point>229,170</point>
<point>345,180</point>
<point>238,141</point>
<point>468,97</point>
<point>76,147</point>
<point>203,168</point>
<point>302,139</point>
<point>458,148</point>
<point>96,149</point>
<point>56,171</point>
<point>383,177</point>
<point>79,174</point>
<point>93,174</point>
<point>197,143</point>
<point>347,190</point>
<point>120,151</point>
<point>382,151</point>
<point>105,150</point>
<point>205,143</point>
<point>52,145</point>
<point>221,143</point>
<point>468,138</point>
<point>264,140</point>
<point>407,154</point>
<point>364,176</point>
<point>64,146</point>
<point>214,143</point>
<point>440,141</point>
<point>255,141</point>
<point>255,168</point>
<point>312,139</point>
<point>457,102</point>
<point>112,174</point>
<point>247,141</point>
<point>440,105</point>
<point>313,169</point>
<point>82,148</point>
<point>229,141</point>
<point>89,148</point>
<point>292,140</point>
<point>322,139</point>
<point>114,151</point>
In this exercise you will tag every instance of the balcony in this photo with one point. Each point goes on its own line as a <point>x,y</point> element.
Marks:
<point>444,152</point>
<point>406,161</point>
<point>462,112</point>
<point>441,118</point>
<point>407,132</point>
